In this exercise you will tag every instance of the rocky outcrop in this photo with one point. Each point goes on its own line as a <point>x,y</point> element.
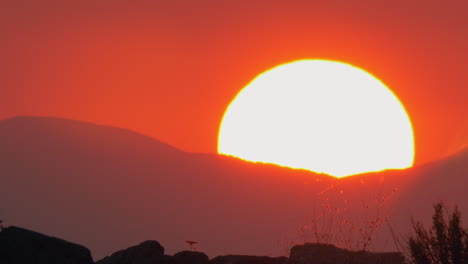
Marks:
<point>148,252</point>
<point>190,257</point>
<point>239,259</point>
<point>18,246</point>
<point>21,246</point>
<point>329,254</point>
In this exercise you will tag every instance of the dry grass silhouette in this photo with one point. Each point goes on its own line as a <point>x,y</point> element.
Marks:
<point>342,219</point>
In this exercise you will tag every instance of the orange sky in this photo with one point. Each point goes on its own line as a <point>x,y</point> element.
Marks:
<point>169,69</point>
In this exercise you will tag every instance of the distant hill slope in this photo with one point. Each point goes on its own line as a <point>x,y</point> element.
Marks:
<point>109,188</point>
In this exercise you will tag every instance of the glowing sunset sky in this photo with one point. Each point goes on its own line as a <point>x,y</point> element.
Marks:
<point>169,69</point>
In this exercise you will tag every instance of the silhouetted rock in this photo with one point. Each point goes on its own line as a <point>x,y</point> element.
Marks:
<point>148,252</point>
<point>190,257</point>
<point>18,246</point>
<point>239,259</point>
<point>329,254</point>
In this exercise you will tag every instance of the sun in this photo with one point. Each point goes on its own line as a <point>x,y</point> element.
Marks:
<point>324,116</point>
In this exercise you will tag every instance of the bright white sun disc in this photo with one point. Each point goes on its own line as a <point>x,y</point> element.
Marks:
<point>324,116</point>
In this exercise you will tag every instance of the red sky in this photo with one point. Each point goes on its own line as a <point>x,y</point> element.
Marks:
<point>169,69</point>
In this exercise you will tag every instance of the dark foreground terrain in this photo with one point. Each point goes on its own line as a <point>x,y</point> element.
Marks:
<point>22,246</point>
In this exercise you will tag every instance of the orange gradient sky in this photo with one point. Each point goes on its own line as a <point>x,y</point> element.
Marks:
<point>169,69</point>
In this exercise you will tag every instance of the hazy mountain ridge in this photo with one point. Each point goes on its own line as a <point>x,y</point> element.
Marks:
<point>108,188</point>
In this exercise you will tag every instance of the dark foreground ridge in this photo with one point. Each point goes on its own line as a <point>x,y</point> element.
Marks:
<point>329,254</point>
<point>21,246</point>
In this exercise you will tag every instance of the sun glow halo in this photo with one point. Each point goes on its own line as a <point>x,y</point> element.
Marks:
<point>324,116</point>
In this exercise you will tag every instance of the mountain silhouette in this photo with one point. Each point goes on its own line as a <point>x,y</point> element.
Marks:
<point>109,188</point>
